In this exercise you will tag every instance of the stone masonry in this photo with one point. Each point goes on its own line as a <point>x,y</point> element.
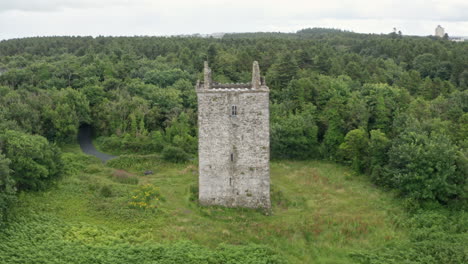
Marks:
<point>234,142</point>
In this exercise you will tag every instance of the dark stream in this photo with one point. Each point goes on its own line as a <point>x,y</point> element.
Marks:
<point>86,144</point>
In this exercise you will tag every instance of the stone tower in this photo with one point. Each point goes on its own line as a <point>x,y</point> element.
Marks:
<point>234,142</point>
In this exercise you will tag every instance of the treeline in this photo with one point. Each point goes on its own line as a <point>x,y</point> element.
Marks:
<point>391,106</point>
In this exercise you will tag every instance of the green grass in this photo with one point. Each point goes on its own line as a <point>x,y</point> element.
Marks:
<point>321,211</point>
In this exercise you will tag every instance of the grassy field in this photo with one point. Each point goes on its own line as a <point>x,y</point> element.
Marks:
<point>321,212</point>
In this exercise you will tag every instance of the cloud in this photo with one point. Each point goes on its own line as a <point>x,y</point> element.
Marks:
<point>56,5</point>
<point>20,18</point>
<point>451,10</point>
<point>454,10</point>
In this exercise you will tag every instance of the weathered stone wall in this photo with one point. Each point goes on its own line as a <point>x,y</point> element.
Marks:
<point>234,150</point>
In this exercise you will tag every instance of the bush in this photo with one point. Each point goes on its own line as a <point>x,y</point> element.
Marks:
<point>180,133</point>
<point>7,189</point>
<point>175,154</point>
<point>423,166</point>
<point>278,198</point>
<point>294,136</point>
<point>193,190</point>
<point>146,197</point>
<point>355,149</point>
<point>34,162</point>
<point>135,162</point>
<point>434,237</point>
<point>76,163</point>
<point>124,177</point>
<point>129,144</point>
<point>379,145</point>
<point>106,191</point>
<point>47,240</point>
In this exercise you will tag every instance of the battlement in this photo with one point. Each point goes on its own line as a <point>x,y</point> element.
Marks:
<point>207,85</point>
<point>215,85</point>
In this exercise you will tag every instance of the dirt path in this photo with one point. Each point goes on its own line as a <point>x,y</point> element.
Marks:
<point>86,144</point>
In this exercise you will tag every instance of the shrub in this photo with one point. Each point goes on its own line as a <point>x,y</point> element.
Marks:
<point>294,136</point>
<point>332,139</point>
<point>75,163</point>
<point>180,134</point>
<point>146,197</point>
<point>128,143</point>
<point>434,237</point>
<point>135,162</point>
<point>124,177</point>
<point>7,189</point>
<point>45,239</point>
<point>423,166</point>
<point>106,191</point>
<point>378,155</point>
<point>193,190</point>
<point>122,144</point>
<point>355,148</point>
<point>278,198</point>
<point>34,161</point>
<point>175,154</point>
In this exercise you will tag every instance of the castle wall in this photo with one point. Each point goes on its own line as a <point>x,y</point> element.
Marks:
<point>234,151</point>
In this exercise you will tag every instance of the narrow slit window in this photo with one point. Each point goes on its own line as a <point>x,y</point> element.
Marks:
<point>230,181</point>
<point>234,110</point>
<point>232,156</point>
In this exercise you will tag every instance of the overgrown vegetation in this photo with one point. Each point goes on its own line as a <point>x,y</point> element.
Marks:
<point>83,243</point>
<point>146,197</point>
<point>392,107</point>
<point>7,189</point>
<point>434,237</point>
<point>138,95</point>
<point>34,161</point>
<point>320,215</point>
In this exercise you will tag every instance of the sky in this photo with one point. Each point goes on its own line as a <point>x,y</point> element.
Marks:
<point>27,18</point>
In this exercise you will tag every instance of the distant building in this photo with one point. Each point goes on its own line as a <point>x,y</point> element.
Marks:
<point>439,31</point>
<point>459,39</point>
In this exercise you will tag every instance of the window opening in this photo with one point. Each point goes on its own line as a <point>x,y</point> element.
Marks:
<point>234,110</point>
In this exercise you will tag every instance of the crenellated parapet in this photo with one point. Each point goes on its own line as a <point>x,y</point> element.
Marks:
<point>207,85</point>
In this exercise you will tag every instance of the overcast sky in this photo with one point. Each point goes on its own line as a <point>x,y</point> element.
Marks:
<point>25,18</point>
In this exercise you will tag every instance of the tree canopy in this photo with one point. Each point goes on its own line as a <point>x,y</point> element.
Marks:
<point>334,95</point>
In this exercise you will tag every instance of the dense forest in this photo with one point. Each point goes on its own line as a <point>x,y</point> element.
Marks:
<point>392,107</point>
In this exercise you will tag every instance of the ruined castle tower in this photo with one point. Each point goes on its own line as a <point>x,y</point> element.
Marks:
<point>234,142</point>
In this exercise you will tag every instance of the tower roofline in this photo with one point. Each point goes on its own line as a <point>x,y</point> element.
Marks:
<point>257,83</point>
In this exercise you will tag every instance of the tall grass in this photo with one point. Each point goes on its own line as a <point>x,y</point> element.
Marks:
<point>322,213</point>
